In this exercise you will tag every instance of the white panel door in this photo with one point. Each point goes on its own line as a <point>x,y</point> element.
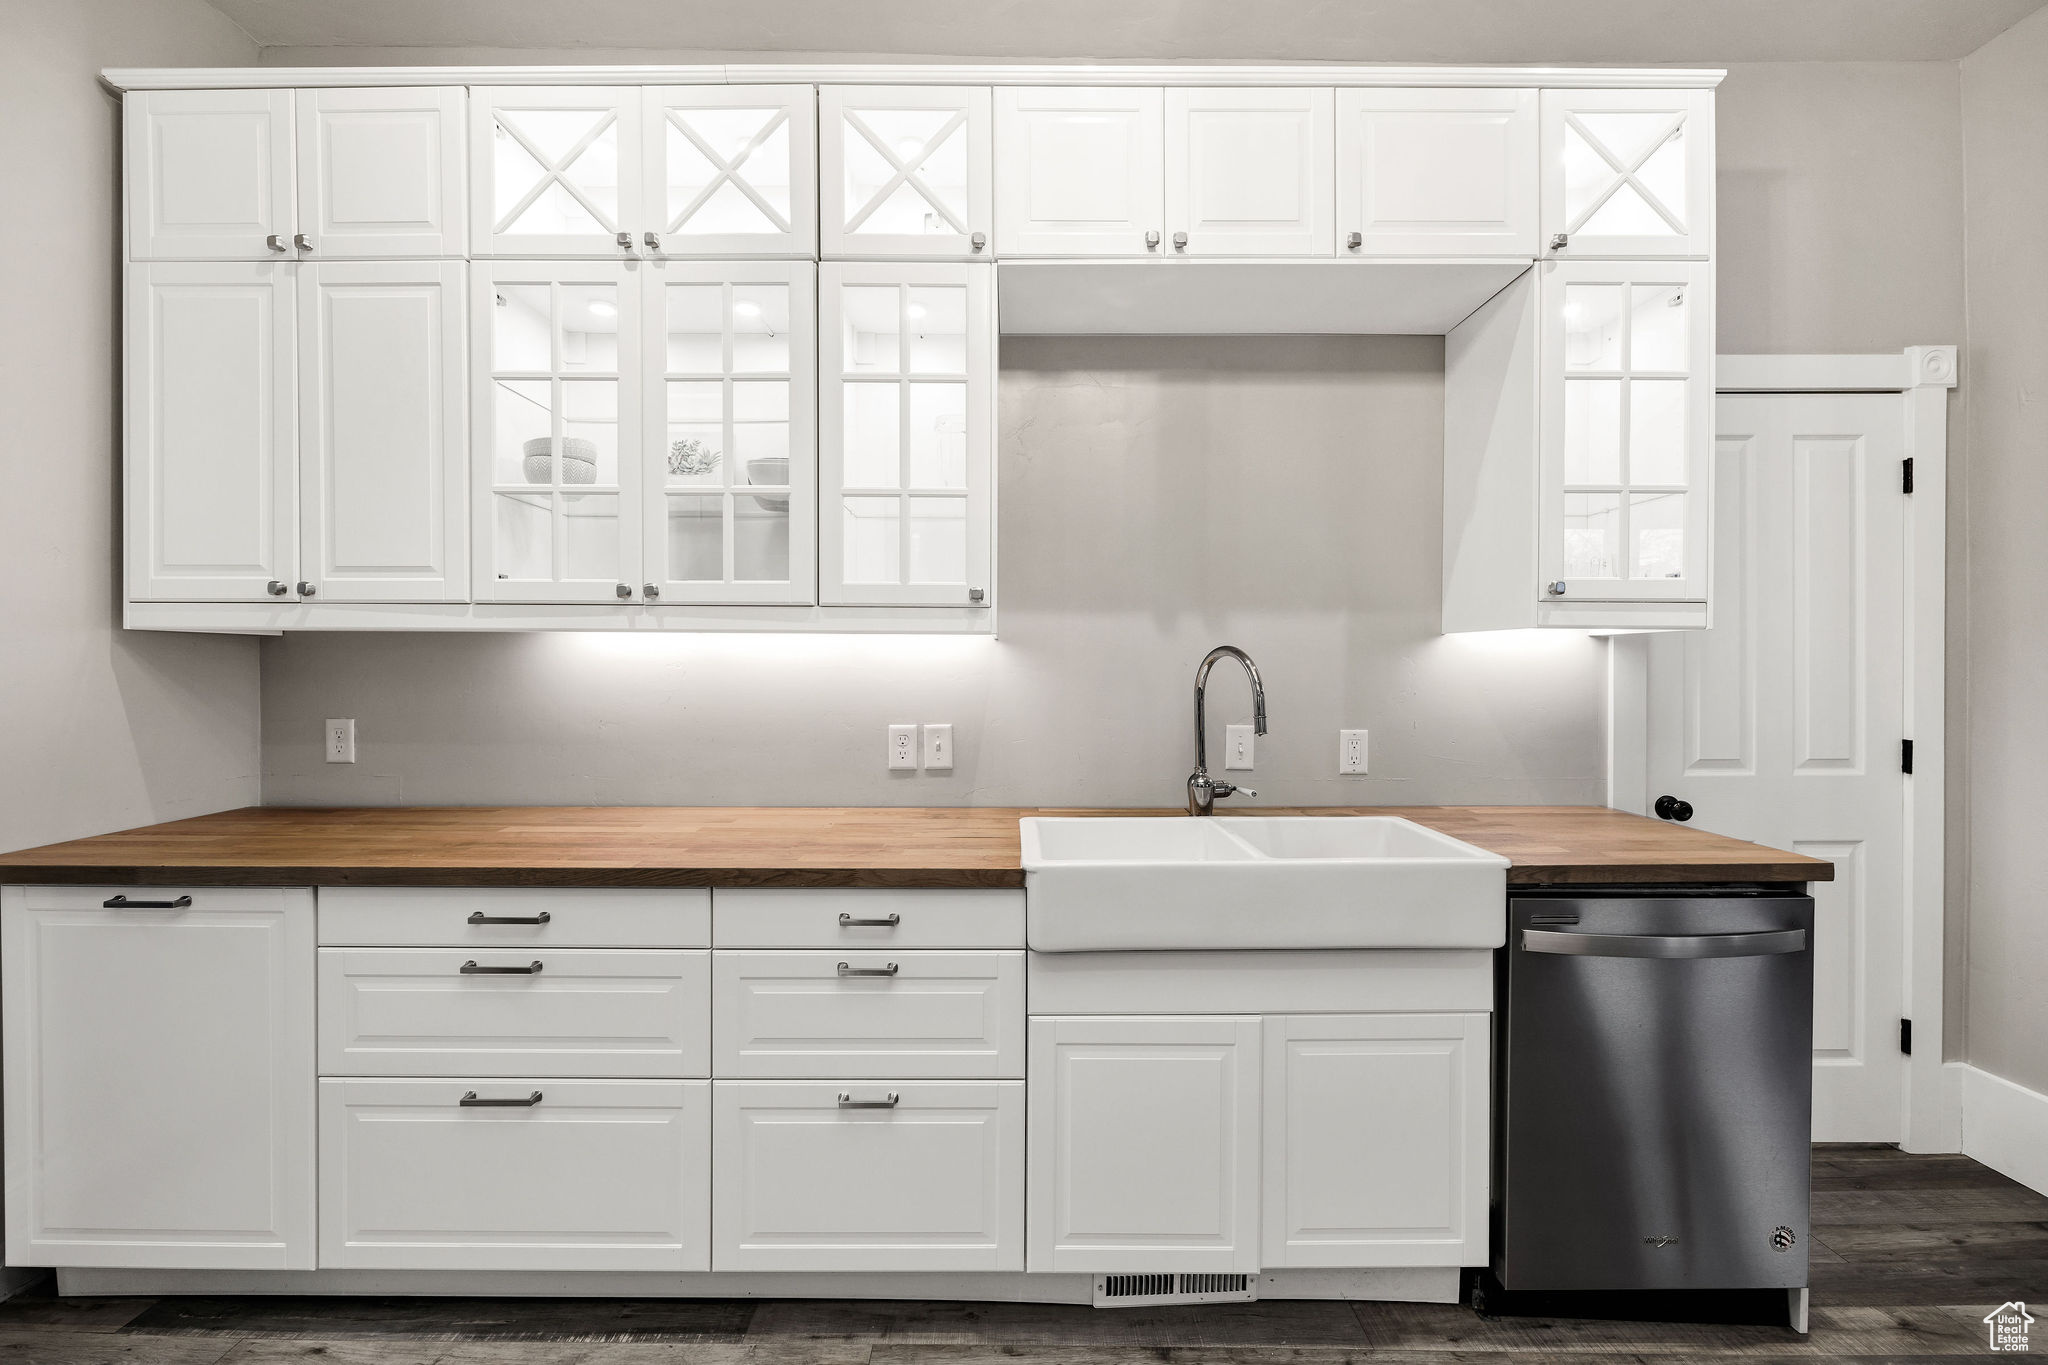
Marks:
<point>906,171</point>
<point>731,170</point>
<point>906,359</point>
<point>1145,1143</point>
<point>1626,427</point>
<point>159,1077</point>
<point>730,463</point>
<point>514,1012</point>
<point>212,488</point>
<point>382,172</point>
<point>1782,723</point>
<point>557,171</point>
<point>1436,172</point>
<point>555,413</point>
<point>1628,172</point>
<point>209,174</point>
<point>1376,1140</point>
<point>1080,171</point>
<point>868,1175</point>
<point>478,1174</point>
<point>383,431</point>
<point>878,1012</point>
<point>1248,172</point>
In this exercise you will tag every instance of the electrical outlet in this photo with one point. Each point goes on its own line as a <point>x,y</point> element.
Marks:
<point>341,741</point>
<point>903,746</point>
<point>1237,746</point>
<point>938,748</point>
<point>1351,751</point>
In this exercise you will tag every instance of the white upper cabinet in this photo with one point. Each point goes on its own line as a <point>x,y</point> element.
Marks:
<point>381,172</point>
<point>1080,171</point>
<point>1627,430</point>
<point>1436,172</point>
<point>383,431</point>
<point>209,174</point>
<point>1628,172</point>
<point>906,171</point>
<point>731,473</point>
<point>730,171</point>
<point>555,414</point>
<point>1248,172</point>
<point>211,484</point>
<point>906,398</point>
<point>556,171</point>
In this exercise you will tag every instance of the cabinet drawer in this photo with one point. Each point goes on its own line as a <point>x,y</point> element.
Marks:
<point>921,1175</point>
<point>595,1175</point>
<point>868,1013</point>
<point>417,1012</point>
<point>404,917</point>
<point>766,918</point>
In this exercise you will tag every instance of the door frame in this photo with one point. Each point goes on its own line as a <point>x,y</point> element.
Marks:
<point>1922,375</point>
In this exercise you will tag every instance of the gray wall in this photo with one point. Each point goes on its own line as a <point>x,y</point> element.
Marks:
<point>2005,373</point>
<point>99,729</point>
<point>1156,497</point>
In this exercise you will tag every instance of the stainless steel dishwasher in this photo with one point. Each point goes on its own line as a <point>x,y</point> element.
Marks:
<point>1654,1091</point>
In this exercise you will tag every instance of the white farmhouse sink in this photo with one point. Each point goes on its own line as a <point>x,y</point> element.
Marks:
<point>1369,881</point>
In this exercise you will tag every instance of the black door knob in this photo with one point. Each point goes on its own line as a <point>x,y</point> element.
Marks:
<point>1671,808</point>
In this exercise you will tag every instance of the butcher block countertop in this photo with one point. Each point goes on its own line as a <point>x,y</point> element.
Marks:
<point>970,846</point>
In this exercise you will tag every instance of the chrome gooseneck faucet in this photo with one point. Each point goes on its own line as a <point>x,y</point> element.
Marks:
<point>1202,788</point>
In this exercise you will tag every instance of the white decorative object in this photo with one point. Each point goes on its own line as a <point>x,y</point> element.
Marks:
<point>579,460</point>
<point>772,470</point>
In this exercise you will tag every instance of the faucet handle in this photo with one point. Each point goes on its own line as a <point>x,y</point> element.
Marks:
<point>1232,789</point>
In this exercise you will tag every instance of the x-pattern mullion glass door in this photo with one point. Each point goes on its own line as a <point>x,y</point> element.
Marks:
<point>1628,172</point>
<point>1627,430</point>
<point>731,455</point>
<point>732,170</point>
<point>906,355</point>
<point>907,171</point>
<point>555,171</point>
<point>557,429</point>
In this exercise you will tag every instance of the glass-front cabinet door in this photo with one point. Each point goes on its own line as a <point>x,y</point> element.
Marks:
<point>731,171</point>
<point>1628,172</point>
<point>907,171</point>
<point>555,171</point>
<point>1627,430</point>
<point>556,417</point>
<point>906,359</point>
<point>730,466</point>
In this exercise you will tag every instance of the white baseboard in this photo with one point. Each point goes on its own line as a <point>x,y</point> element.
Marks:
<point>2005,1126</point>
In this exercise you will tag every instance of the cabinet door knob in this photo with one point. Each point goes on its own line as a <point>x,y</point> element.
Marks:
<point>1151,241</point>
<point>1559,241</point>
<point>625,591</point>
<point>1355,240</point>
<point>977,595</point>
<point>275,588</point>
<point>274,242</point>
<point>1671,808</point>
<point>302,241</point>
<point>650,590</point>
<point>1555,589</point>
<point>308,589</point>
<point>625,241</point>
<point>978,241</point>
<point>653,240</point>
<point>1180,241</point>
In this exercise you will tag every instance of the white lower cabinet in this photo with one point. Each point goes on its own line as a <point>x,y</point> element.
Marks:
<point>1145,1144</point>
<point>868,1175</point>
<point>1375,1140</point>
<point>481,1174</point>
<point>159,1077</point>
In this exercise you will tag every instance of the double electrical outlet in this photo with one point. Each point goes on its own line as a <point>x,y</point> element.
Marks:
<point>938,747</point>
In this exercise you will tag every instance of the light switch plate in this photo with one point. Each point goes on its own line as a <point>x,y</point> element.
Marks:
<point>938,748</point>
<point>1237,746</point>
<point>1351,752</point>
<point>341,741</point>
<point>903,746</point>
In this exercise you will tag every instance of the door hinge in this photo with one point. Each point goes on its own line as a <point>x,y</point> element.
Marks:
<point>1906,482</point>
<point>1906,1036</point>
<point>1905,755</point>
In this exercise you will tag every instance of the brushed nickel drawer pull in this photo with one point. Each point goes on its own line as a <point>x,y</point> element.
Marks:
<point>889,969</point>
<point>847,921</point>
<point>479,917</point>
<point>123,903</point>
<point>847,1101</point>
<point>470,1101</point>
<point>470,968</point>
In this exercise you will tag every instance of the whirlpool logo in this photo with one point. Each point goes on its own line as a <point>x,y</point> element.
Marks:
<point>1660,1242</point>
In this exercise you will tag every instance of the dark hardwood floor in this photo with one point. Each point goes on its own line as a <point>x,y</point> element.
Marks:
<point>1909,1253</point>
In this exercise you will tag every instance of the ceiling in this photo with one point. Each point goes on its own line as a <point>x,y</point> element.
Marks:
<point>1528,32</point>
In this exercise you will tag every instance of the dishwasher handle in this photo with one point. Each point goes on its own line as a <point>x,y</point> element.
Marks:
<point>1669,946</point>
